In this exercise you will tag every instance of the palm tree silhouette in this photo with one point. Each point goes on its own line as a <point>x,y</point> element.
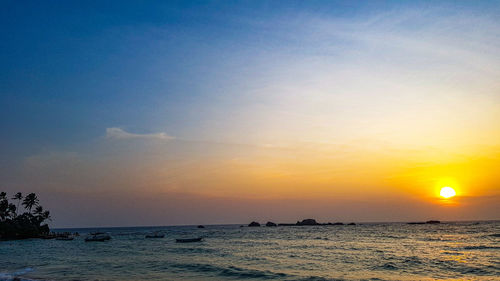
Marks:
<point>18,196</point>
<point>30,201</point>
<point>38,210</point>
<point>4,206</point>
<point>29,224</point>
<point>39,213</point>
<point>12,210</point>
<point>46,216</point>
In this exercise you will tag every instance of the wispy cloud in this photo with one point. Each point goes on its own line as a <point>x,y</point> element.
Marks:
<point>119,133</point>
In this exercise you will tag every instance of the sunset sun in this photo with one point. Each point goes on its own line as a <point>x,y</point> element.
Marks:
<point>447,192</point>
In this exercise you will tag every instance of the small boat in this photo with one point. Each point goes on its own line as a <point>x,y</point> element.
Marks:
<point>188,240</point>
<point>97,236</point>
<point>155,235</point>
<point>65,238</point>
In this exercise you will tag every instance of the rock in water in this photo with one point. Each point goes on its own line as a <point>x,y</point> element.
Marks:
<point>308,222</point>
<point>254,224</point>
<point>269,223</point>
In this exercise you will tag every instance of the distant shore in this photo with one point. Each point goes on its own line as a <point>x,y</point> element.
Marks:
<point>313,222</point>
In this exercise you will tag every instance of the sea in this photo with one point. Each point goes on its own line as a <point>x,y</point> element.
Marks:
<point>366,251</point>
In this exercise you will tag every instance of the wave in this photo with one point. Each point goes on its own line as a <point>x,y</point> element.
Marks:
<point>461,268</point>
<point>321,238</point>
<point>481,247</point>
<point>452,253</point>
<point>412,261</point>
<point>485,271</point>
<point>16,275</point>
<point>232,271</point>
<point>387,266</point>
<point>435,239</point>
<point>393,237</point>
<point>318,278</point>
<point>15,278</point>
<point>189,250</point>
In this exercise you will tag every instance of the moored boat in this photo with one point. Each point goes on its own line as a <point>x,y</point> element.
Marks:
<point>188,240</point>
<point>97,236</point>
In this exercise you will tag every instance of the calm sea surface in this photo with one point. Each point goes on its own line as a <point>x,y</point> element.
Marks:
<point>391,251</point>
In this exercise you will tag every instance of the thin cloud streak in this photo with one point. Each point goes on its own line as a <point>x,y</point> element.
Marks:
<point>118,133</point>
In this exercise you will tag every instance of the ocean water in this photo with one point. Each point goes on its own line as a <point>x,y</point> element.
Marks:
<point>386,251</point>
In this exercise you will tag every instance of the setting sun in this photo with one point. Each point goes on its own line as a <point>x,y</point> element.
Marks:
<point>447,192</point>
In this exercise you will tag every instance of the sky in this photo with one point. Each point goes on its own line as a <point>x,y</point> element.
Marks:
<point>129,113</point>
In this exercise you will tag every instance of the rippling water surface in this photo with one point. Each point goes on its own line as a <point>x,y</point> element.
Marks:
<point>391,251</point>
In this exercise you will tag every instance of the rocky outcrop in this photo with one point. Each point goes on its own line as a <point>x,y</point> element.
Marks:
<point>307,222</point>
<point>254,224</point>
<point>427,222</point>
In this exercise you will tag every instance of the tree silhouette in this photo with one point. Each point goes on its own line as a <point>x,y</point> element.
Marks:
<point>38,211</point>
<point>30,201</point>
<point>25,225</point>
<point>12,210</point>
<point>41,214</point>
<point>46,216</point>
<point>4,206</point>
<point>18,196</point>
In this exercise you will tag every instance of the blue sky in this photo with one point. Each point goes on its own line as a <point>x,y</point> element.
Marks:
<point>77,77</point>
<point>80,67</point>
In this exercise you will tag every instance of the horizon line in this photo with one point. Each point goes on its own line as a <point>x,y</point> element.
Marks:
<point>246,224</point>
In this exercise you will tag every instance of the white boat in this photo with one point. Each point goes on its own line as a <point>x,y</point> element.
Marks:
<point>97,236</point>
<point>188,240</point>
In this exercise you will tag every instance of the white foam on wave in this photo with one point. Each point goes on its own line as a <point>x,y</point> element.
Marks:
<point>10,276</point>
